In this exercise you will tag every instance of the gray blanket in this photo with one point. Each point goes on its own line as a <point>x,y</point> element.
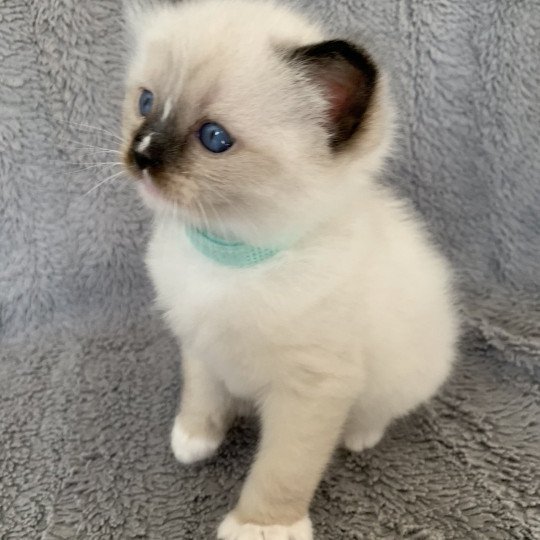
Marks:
<point>89,376</point>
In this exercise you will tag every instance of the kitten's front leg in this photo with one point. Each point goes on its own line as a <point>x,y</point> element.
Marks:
<point>206,411</point>
<point>300,431</point>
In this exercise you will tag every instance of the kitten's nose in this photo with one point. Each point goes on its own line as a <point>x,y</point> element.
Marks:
<point>146,159</point>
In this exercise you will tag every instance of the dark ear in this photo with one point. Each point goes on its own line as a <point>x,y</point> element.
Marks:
<point>348,78</point>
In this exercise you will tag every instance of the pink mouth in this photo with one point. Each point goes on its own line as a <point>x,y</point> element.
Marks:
<point>148,187</point>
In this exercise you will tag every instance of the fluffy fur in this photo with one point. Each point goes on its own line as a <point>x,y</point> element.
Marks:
<point>351,325</point>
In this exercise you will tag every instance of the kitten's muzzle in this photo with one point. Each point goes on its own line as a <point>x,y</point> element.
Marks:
<point>148,150</point>
<point>146,159</point>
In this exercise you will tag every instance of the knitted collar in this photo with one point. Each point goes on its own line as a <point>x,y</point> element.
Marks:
<point>226,252</point>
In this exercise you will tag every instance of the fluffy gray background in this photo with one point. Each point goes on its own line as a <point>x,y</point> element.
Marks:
<point>89,377</point>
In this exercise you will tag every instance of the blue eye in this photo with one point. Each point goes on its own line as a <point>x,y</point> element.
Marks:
<point>145,102</point>
<point>215,138</point>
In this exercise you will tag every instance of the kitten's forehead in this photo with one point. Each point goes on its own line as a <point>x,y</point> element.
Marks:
<point>212,45</point>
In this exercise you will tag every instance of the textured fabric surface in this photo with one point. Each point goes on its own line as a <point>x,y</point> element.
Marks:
<point>89,376</point>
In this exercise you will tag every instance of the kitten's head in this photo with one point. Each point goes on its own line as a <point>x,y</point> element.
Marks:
<point>240,117</point>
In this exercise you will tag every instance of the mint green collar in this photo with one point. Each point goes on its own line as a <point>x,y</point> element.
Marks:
<point>227,253</point>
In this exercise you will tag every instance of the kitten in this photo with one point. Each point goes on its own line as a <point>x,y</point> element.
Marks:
<point>291,279</point>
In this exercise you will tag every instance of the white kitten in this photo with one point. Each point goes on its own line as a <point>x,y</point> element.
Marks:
<point>291,278</point>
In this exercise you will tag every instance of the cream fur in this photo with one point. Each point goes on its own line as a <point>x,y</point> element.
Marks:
<point>351,326</point>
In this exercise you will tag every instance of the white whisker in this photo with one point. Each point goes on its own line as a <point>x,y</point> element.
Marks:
<point>93,162</point>
<point>103,151</point>
<point>108,179</point>
<point>202,214</point>
<point>94,166</point>
<point>89,146</point>
<point>96,128</point>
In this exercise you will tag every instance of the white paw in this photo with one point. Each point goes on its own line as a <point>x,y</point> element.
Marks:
<point>188,449</point>
<point>231,529</point>
<point>357,441</point>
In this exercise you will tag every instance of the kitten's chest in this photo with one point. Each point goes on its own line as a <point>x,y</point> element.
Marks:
<point>200,300</point>
<point>244,321</point>
<point>224,316</point>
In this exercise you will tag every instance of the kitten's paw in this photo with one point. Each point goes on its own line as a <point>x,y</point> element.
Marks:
<point>231,529</point>
<point>189,449</point>
<point>356,441</point>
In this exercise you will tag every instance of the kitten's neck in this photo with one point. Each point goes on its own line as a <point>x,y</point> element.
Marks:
<point>228,252</point>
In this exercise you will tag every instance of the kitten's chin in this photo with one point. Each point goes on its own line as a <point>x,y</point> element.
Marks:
<point>148,187</point>
<point>154,198</point>
<point>151,194</point>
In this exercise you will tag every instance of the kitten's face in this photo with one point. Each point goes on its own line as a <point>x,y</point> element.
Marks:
<point>230,122</point>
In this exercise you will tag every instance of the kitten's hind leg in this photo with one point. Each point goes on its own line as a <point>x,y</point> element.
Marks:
<point>365,426</point>
<point>206,412</point>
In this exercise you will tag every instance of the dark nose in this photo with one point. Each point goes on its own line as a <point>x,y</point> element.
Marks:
<point>146,159</point>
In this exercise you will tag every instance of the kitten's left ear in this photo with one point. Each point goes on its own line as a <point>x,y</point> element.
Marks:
<point>348,78</point>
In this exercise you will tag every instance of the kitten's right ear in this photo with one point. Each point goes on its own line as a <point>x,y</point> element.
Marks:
<point>136,13</point>
<point>133,12</point>
<point>347,77</point>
